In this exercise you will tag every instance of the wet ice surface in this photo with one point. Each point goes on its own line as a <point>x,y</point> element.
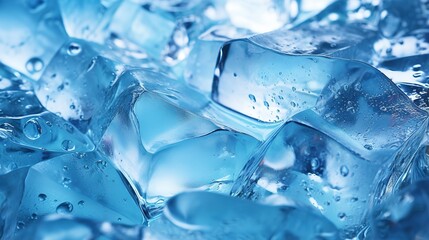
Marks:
<point>219,119</point>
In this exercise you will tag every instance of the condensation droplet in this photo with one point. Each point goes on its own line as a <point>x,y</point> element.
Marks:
<point>32,129</point>
<point>64,208</point>
<point>68,145</point>
<point>74,49</point>
<point>42,197</point>
<point>368,146</point>
<point>344,171</point>
<point>252,97</point>
<point>34,65</point>
<point>417,67</point>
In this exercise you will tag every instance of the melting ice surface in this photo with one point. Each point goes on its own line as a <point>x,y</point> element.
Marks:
<point>218,119</point>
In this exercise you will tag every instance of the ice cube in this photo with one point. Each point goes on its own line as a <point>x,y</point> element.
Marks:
<point>404,215</point>
<point>88,92</point>
<point>11,191</point>
<point>197,154</point>
<point>397,19</point>
<point>28,132</point>
<point>31,32</point>
<point>203,215</point>
<point>334,156</point>
<point>82,185</point>
<point>67,227</point>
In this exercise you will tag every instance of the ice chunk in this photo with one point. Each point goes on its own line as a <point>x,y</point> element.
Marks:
<point>151,32</point>
<point>87,93</point>
<point>30,134</point>
<point>66,227</point>
<point>397,19</point>
<point>161,123</point>
<point>329,156</point>
<point>11,191</point>
<point>203,215</point>
<point>201,63</point>
<point>210,162</point>
<point>410,73</point>
<point>198,155</point>
<point>404,215</point>
<point>31,32</point>
<point>82,185</point>
<point>273,86</point>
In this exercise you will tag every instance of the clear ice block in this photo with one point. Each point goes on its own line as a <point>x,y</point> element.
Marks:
<point>333,156</point>
<point>11,191</point>
<point>83,185</point>
<point>203,215</point>
<point>88,92</point>
<point>404,215</point>
<point>31,32</point>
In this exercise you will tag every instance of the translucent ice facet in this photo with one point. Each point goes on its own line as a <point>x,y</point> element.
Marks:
<point>404,215</point>
<point>161,123</point>
<point>202,215</point>
<point>11,191</point>
<point>330,156</point>
<point>397,19</point>
<point>88,92</point>
<point>83,185</point>
<point>210,162</point>
<point>66,227</point>
<point>31,32</point>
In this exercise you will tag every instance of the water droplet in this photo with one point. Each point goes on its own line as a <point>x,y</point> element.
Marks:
<point>368,146</point>
<point>72,106</point>
<point>252,97</point>
<point>337,198</point>
<point>417,74</point>
<point>66,181</point>
<point>344,171</point>
<point>68,145</point>
<point>33,216</point>
<point>32,129</point>
<point>341,215</point>
<point>293,104</point>
<point>74,49</point>
<point>266,104</point>
<point>294,89</point>
<point>417,67</point>
<point>81,203</point>
<point>314,164</point>
<point>42,197</point>
<point>65,207</point>
<point>101,164</point>
<point>20,225</point>
<point>34,65</point>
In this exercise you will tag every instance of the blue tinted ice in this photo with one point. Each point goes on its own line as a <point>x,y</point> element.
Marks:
<point>83,185</point>
<point>87,92</point>
<point>404,215</point>
<point>397,19</point>
<point>66,227</point>
<point>31,32</point>
<point>201,215</point>
<point>196,155</point>
<point>11,191</point>
<point>329,157</point>
<point>161,123</point>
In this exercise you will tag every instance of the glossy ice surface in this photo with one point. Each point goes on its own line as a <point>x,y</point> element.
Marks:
<point>217,119</point>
